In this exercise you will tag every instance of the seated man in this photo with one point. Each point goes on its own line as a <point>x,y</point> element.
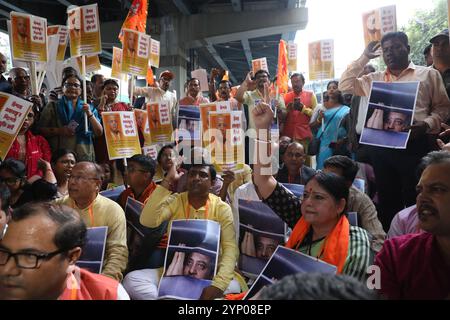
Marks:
<point>357,201</point>
<point>196,203</point>
<point>97,211</point>
<point>141,170</point>
<point>294,170</point>
<point>150,249</point>
<point>38,255</point>
<point>417,266</point>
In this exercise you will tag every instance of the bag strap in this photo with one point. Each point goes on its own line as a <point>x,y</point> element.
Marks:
<point>329,121</point>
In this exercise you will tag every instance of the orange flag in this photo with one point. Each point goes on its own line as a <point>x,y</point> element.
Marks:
<point>136,18</point>
<point>282,73</point>
<point>150,78</point>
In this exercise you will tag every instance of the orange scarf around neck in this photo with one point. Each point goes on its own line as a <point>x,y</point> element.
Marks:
<point>335,246</point>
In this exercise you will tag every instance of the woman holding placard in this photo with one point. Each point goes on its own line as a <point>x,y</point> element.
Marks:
<point>62,122</point>
<point>319,221</point>
<point>29,148</point>
<point>108,102</point>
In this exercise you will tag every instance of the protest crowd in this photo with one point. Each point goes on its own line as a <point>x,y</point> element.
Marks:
<point>223,192</point>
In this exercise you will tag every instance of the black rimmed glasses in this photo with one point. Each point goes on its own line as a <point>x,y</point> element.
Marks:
<point>27,260</point>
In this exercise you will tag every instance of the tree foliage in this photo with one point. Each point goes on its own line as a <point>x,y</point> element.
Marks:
<point>424,25</point>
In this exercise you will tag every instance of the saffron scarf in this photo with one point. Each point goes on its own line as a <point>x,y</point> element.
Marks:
<point>335,245</point>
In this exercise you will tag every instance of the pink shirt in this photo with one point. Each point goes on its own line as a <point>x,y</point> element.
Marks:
<point>405,222</point>
<point>412,267</point>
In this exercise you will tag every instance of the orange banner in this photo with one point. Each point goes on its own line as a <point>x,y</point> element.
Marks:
<point>378,22</point>
<point>12,115</point>
<point>116,68</point>
<point>143,125</point>
<point>122,138</point>
<point>63,34</point>
<point>160,122</point>
<point>226,140</point>
<point>321,60</point>
<point>84,31</point>
<point>282,73</point>
<point>258,64</point>
<point>292,56</point>
<point>154,53</point>
<point>29,37</point>
<point>135,53</point>
<point>92,64</point>
<point>136,18</point>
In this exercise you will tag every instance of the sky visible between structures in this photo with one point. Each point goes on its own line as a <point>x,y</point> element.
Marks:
<point>342,21</point>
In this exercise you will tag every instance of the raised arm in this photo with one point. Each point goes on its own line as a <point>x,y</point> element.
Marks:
<point>350,82</point>
<point>248,84</point>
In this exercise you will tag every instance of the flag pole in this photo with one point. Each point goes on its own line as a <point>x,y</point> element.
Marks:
<point>83,71</point>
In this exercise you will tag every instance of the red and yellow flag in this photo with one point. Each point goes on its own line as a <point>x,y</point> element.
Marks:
<point>136,18</point>
<point>282,73</point>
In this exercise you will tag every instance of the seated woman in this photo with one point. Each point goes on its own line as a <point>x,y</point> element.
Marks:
<point>13,174</point>
<point>320,228</point>
<point>29,148</point>
<point>63,161</point>
<point>63,122</point>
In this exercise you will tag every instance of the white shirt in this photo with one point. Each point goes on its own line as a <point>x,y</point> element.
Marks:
<point>246,192</point>
<point>157,95</point>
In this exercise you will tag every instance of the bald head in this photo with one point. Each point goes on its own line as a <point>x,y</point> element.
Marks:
<point>85,182</point>
<point>294,157</point>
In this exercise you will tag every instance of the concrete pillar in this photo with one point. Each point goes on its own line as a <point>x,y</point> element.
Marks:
<point>173,54</point>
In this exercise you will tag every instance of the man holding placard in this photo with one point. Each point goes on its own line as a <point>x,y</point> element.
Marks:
<point>393,167</point>
<point>251,98</point>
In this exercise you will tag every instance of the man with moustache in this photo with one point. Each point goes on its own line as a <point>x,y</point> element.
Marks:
<point>393,167</point>
<point>97,211</point>
<point>417,266</point>
<point>196,203</point>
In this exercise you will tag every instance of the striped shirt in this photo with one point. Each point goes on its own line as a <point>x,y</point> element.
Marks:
<point>287,207</point>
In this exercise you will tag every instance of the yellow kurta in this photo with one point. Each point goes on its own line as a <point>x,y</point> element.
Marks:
<point>107,213</point>
<point>165,206</point>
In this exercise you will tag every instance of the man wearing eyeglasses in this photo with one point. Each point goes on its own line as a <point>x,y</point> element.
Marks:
<point>20,80</point>
<point>97,211</point>
<point>38,255</point>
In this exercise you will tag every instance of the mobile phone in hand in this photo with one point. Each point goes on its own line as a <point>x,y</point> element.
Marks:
<point>73,125</point>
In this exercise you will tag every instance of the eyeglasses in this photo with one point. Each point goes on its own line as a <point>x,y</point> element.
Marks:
<point>72,85</point>
<point>27,260</point>
<point>81,178</point>
<point>9,181</point>
<point>30,115</point>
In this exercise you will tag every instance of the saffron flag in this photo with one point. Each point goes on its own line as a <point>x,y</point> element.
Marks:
<point>282,73</point>
<point>136,18</point>
<point>150,77</point>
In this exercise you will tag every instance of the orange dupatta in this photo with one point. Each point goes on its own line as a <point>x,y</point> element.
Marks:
<point>335,246</point>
